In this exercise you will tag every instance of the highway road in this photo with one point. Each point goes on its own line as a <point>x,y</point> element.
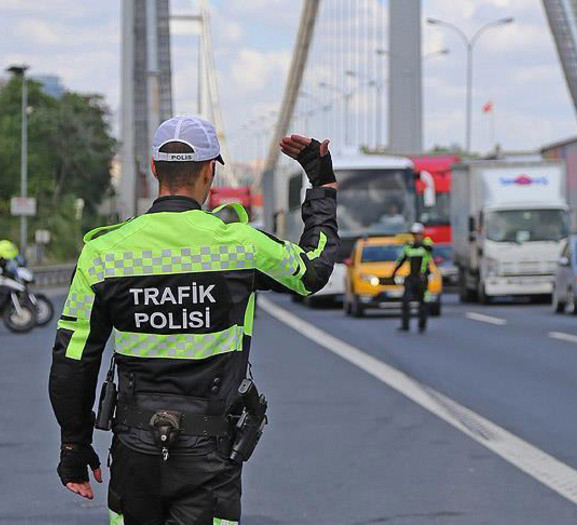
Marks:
<point>472,423</point>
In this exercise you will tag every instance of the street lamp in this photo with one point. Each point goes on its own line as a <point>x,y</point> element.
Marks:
<point>470,45</point>
<point>325,108</point>
<point>347,95</point>
<point>439,53</point>
<point>21,72</point>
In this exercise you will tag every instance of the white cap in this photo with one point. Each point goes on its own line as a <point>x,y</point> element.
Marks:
<point>417,228</point>
<point>195,132</point>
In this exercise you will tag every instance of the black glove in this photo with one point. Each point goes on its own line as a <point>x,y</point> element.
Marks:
<point>74,460</point>
<point>319,169</point>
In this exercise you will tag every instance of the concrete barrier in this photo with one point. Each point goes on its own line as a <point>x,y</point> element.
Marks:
<point>50,276</point>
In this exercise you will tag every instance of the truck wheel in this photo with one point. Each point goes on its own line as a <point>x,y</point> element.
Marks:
<point>571,305</point>
<point>558,305</point>
<point>483,297</point>
<point>357,309</point>
<point>465,295</point>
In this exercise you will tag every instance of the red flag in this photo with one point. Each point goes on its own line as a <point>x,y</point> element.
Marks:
<point>488,107</point>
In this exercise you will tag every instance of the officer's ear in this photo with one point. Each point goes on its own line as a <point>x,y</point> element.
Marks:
<point>153,168</point>
<point>208,173</point>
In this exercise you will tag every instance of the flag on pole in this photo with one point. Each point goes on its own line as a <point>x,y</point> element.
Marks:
<point>488,107</point>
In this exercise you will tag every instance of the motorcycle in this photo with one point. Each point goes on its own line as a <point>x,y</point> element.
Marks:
<point>18,312</point>
<point>43,305</point>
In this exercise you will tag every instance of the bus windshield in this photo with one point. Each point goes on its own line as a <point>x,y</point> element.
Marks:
<point>375,201</point>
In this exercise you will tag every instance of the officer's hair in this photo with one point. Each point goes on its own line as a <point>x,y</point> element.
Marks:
<point>177,175</point>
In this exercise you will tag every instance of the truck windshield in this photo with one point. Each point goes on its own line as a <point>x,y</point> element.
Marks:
<point>526,225</point>
<point>436,215</point>
<point>385,253</point>
<point>375,201</point>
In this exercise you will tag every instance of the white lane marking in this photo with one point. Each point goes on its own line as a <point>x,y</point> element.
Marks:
<point>571,338</point>
<point>485,318</point>
<point>533,461</point>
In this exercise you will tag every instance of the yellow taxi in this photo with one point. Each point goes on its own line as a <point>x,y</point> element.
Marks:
<point>369,282</point>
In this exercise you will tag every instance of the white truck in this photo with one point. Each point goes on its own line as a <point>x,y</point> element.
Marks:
<point>508,220</point>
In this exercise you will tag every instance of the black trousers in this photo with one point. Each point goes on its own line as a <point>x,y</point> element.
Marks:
<point>184,490</point>
<point>415,289</point>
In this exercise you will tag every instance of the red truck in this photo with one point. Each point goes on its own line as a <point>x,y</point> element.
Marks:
<point>433,192</point>
<point>433,185</point>
<point>224,195</point>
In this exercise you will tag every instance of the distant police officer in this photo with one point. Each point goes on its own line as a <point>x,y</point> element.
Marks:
<point>8,253</point>
<point>418,255</point>
<point>177,287</point>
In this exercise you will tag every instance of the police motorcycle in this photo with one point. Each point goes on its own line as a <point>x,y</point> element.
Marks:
<point>18,312</point>
<point>43,305</point>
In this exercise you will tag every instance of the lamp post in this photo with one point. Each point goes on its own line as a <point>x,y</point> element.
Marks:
<point>21,72</point>
<point>439,53</point>
<point>325,108</point>
<point>347,98</point>
<point>470,45</point>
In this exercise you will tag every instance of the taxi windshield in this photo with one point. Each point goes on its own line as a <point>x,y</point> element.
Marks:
<point>383,253</point>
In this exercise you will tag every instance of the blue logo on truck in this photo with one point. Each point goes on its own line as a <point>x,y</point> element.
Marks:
<point>524,180</point>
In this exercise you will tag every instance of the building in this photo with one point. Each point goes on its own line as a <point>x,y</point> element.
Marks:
<point>566,151</point>
<point>51,85</point>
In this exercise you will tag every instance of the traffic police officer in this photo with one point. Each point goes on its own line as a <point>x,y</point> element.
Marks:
<point>8,252</point>
<point>177,287</point>
<point>418,254</point>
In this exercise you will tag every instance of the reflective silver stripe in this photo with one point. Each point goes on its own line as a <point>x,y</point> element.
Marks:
<point>180,260</point>
<point>179,346</point>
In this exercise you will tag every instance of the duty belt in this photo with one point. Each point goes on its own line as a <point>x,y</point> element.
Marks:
<point>190,424</point>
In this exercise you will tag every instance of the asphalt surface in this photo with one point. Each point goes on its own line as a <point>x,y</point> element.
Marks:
<point>342,447</point>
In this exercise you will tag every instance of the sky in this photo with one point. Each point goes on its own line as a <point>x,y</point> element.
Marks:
<point>516,67</point>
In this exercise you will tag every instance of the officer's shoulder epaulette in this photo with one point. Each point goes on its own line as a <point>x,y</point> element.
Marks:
<point>231,212</point>
<point>103,230</point>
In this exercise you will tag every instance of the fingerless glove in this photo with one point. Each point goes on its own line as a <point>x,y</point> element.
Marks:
<point>319,170</point>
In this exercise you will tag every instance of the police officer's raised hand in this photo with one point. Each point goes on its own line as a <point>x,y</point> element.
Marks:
<point>313,156</point>
<point>73,468</point>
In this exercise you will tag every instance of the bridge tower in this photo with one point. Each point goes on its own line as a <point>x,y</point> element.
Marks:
<point>146,98</point>
<point>147,93</point>
<point>405,77</point>
<point>562,15</point>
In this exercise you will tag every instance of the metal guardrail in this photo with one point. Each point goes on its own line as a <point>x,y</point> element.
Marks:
<point>58,275</point>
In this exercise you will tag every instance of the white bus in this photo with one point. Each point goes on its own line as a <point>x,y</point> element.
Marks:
<point>376,197</point>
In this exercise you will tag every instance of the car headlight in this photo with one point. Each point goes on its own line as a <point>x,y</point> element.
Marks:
<point>373,280</point>
<point>492,266</point>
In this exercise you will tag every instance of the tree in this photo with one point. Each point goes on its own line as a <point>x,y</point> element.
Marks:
<point>70,149</point>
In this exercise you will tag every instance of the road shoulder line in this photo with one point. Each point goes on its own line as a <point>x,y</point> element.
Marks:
<point>541,466</point>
